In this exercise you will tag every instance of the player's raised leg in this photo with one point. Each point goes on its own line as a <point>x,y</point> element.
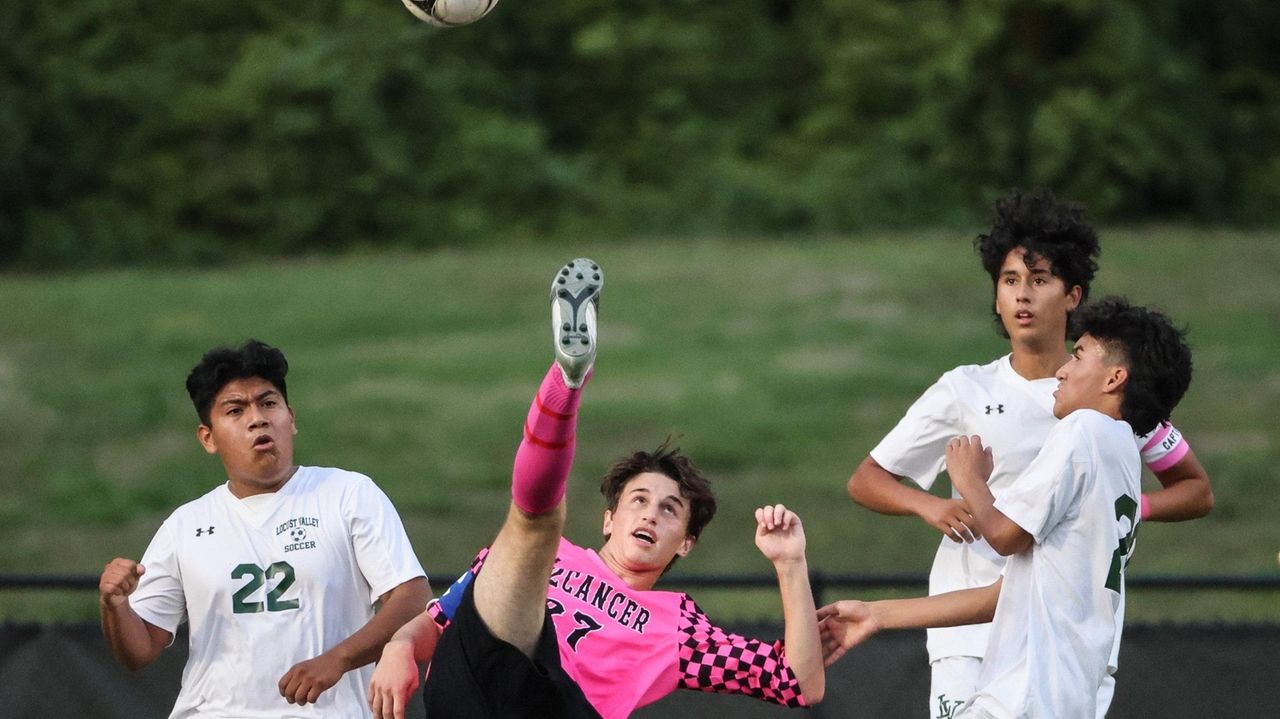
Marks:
<point>511,592</point>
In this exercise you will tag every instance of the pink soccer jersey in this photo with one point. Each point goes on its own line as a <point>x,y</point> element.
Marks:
<point>627,648</point>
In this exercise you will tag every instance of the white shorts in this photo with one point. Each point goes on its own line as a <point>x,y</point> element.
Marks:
<point>953,683</point>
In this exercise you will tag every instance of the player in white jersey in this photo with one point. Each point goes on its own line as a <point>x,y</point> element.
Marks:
<point>277,571</point>
<point>1040,257</point>
<point>1067,524</point>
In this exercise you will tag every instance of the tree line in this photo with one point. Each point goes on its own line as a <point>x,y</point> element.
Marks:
<point>185,131</point>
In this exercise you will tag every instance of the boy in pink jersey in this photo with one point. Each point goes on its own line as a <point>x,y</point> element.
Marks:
<point>612,642</point>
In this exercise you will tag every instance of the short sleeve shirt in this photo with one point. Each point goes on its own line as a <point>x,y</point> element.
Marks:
<point>271,580</point>
<point>1059,613</point>
<point>627,648</point>
<point>1013,416</point>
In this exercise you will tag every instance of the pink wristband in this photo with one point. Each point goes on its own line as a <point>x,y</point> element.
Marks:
<point>1145,510</point>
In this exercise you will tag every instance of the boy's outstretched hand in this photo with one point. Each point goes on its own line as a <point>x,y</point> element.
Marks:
<point>844,625</point>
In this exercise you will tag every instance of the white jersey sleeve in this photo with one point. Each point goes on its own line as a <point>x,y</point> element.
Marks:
<point>1047,492</point>
<point>159,598</point>
<point>382,548</point>
<point>916,446</point>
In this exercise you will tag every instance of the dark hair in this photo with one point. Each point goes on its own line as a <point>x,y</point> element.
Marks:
<point>1154,351</point>
<point>223,365</point>
<point>669,461</point>
<point>1046,228</point>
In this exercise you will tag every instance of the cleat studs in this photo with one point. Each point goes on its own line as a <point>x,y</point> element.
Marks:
<point>579,275</point>
<point>566,327</point>
<point>595,267</point>
<point>596,277</point>
<point>561,280</point>
<point>586,341</point>
<point>581,327</point>
<point>564,271</point>
<point>564,341</point>
<point>564,293</point>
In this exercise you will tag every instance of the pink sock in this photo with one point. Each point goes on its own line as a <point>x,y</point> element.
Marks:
<point>546,452</point>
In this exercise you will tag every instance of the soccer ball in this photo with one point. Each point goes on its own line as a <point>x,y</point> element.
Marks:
<point>449,13</point>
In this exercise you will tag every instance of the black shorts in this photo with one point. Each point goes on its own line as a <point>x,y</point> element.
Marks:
<point>475,675</point>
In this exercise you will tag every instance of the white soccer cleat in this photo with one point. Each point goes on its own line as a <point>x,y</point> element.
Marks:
<point>575,299</point>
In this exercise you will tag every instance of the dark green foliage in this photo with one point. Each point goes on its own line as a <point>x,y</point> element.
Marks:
<point>184,131</point>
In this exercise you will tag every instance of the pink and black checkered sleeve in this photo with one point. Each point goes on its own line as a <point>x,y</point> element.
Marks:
<point>713,660</point>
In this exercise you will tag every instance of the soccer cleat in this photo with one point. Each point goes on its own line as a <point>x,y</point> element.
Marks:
<point>575,299</point>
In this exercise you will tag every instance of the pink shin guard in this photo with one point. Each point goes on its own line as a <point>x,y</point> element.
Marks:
<point>546,452</point>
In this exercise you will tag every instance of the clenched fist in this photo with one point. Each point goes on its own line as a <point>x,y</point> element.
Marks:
<point>119,579</point>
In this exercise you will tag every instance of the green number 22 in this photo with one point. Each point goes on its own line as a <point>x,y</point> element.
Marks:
<point>1126,506</point>
<point>240,603</point>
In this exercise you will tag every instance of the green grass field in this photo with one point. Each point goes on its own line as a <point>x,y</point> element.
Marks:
<point>778,365</point>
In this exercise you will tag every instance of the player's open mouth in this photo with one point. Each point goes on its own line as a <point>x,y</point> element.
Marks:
<point>644,535</point>
<point>1024,315</point>
<point>264,442</point>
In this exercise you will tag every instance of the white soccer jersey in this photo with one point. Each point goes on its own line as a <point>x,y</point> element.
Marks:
<point>1013,416</point>
<point>269,581</point>
<point>1059,611</point>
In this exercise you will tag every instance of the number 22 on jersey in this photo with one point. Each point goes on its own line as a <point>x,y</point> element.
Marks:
<point>242,601</point>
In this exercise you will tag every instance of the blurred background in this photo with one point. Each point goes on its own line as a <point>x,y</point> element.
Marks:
<point>187,132</point>
<point>783,195</point>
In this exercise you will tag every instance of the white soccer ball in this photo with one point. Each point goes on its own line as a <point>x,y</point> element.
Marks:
<point>449,13</point>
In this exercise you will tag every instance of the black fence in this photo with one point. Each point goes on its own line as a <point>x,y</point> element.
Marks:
<point>1172,672</point>
<point>1167,671</point>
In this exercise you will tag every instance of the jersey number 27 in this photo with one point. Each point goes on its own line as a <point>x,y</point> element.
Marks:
<point>586,623</point>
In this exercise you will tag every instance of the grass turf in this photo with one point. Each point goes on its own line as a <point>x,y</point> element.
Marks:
<point>778,365</point>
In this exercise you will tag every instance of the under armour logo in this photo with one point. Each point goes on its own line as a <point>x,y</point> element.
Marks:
<point>998,409</point>
<point>202,531</point>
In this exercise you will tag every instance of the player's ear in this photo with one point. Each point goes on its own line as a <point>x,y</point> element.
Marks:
<point>293,420</point>
<point>1117,378</point>
<point>687,545</point>
<point>608,524</point>
<point>204,433</point>
<point>1073,297</point>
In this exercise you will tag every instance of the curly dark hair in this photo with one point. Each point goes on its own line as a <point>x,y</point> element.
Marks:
<point>223,365</point>
<point>1056,231</point>
<point>666,460</point>
<point>1154,351</point>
